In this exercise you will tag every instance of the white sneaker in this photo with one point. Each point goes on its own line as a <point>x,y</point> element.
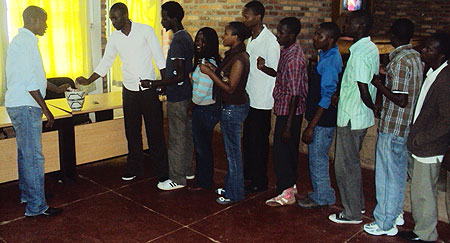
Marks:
<point>399,220</point>
<point>191,177</point>
<point>373,229</point>
<point>168,185</point>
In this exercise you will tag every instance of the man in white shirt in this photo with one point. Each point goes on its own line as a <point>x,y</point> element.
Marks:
<point>429,138</point>
<point>259,88</point>
<point>137,46</point>
<point>25,88</point>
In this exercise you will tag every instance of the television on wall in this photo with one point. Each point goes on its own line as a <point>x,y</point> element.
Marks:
<point>344,7</point>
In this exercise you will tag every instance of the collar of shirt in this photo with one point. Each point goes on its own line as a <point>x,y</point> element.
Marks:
<point>360,42</point>
<point>287,50</point>
<point>398,50</point>
<point>29,33</point>
<point>328,53</point>
<point>260,36</point>
<point>434,73</point>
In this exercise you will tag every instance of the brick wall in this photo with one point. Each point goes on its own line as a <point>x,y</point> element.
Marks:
<point>428,15</point>
<point>217,13</point>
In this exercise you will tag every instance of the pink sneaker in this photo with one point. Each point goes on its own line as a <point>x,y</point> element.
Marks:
<point>287,197</point>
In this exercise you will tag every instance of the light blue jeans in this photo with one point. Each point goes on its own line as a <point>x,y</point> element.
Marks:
<point>391,161</point>
<point>27,123</point>
<point>231,121</point>
<point>323,193</point>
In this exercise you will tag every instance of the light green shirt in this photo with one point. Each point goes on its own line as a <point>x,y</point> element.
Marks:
<point>363,63</point>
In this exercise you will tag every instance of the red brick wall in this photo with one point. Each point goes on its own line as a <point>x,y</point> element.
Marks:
<point>428,15</point>
<point>217,13</point>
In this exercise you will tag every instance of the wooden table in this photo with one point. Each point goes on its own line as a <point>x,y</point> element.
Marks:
<point>383,44</point>
<point>52,147</point>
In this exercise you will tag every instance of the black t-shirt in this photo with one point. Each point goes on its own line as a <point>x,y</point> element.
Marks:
<point>181,47</point>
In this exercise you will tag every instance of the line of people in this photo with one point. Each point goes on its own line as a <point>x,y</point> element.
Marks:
<point>240,91</point>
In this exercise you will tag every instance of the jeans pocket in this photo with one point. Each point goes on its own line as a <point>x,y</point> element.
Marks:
<point>398,145</point>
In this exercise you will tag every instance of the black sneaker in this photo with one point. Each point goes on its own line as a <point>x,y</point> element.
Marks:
<point>128,176</point>
<point>52,211</point>
<point>309,203</point>
<point>340,219</point>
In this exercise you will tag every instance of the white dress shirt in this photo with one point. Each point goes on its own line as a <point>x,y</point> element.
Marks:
<point>260,85</point>
<point>24,70</point>
<point>431,77</point>
<point>137,52</point>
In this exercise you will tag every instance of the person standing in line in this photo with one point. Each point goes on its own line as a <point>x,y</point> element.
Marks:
<point>179,93</point>
<point>429,138</point>
<point>321,115</point>
<point>355,115</point>
<point>205,111</point>
<point>260,85</point>
<point>404,75</point>
<point>24,100</point>
<point>137,46</point>
<point>291,88</point>
<point>230,79</point>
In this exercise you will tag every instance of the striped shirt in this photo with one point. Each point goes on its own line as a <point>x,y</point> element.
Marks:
<point>404,75</point>
<point>291,80</point>
<point>202,87</point>
<point>363,63</point>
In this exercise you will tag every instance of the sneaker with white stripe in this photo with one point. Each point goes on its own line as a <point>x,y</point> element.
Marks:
<point>168,185</point>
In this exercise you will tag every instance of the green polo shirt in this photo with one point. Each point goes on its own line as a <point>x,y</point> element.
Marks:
<point>363,63</point>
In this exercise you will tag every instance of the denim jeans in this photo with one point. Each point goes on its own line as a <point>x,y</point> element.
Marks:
<point>27,123</point>
<point>204,119</point>
<point>390,178</point>
<point>323,193</point>
<point>231,121</point>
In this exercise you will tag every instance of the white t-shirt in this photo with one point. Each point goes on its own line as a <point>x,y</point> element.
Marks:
<point>260,85</point>
<point>137,52</point>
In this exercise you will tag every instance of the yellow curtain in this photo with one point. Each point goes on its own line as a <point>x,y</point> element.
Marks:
<point>65,47</point>
<point>3,44</point>
<point>140,11</point>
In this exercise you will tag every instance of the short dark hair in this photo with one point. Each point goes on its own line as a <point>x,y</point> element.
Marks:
<point>32,12</point>
<point>444,43</point>
<point>403,29</point>
<point>365,18</point>
<point>121,7</point>
<point>257,8</point>
<point>293,24</point>
<point>331,29</point>
<point>239,29</point>
<point>174,10</point>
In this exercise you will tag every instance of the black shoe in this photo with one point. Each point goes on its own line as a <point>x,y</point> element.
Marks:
<point>308,203</point>
<point>411,236</point>
<point>52,211</point>
<point>251,188</point>
<point>128,176</point>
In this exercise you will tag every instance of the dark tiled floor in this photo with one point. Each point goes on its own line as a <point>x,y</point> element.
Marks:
<point>100,207</point>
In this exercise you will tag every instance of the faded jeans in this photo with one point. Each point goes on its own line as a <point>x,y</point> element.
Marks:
<point>27,123</point>
<point>231,121</point>
<point>390,178</point>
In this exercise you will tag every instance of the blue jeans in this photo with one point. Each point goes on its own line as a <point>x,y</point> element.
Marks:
<point>204,119</point>
<point>390,178</point>
<point>231,121</point>
<point>323,193</point>
<point>27,123</point>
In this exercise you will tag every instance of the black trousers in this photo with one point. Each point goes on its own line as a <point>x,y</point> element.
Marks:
<point>285,155</point>
<point>256,146</point>
<point>138,104</point>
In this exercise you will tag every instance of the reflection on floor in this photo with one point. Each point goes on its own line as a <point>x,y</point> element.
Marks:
<point>100,207</point>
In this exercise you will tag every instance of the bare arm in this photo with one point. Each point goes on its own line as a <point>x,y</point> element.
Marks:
<point>261,63</point>
<point>179,77</point>
<point>86,81</point>
<point>309,131</point>
<point>235,76</point>
<point>399,99</point>
<point>365,95</point>
<point>57,89</point>
<point>36,94</point>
